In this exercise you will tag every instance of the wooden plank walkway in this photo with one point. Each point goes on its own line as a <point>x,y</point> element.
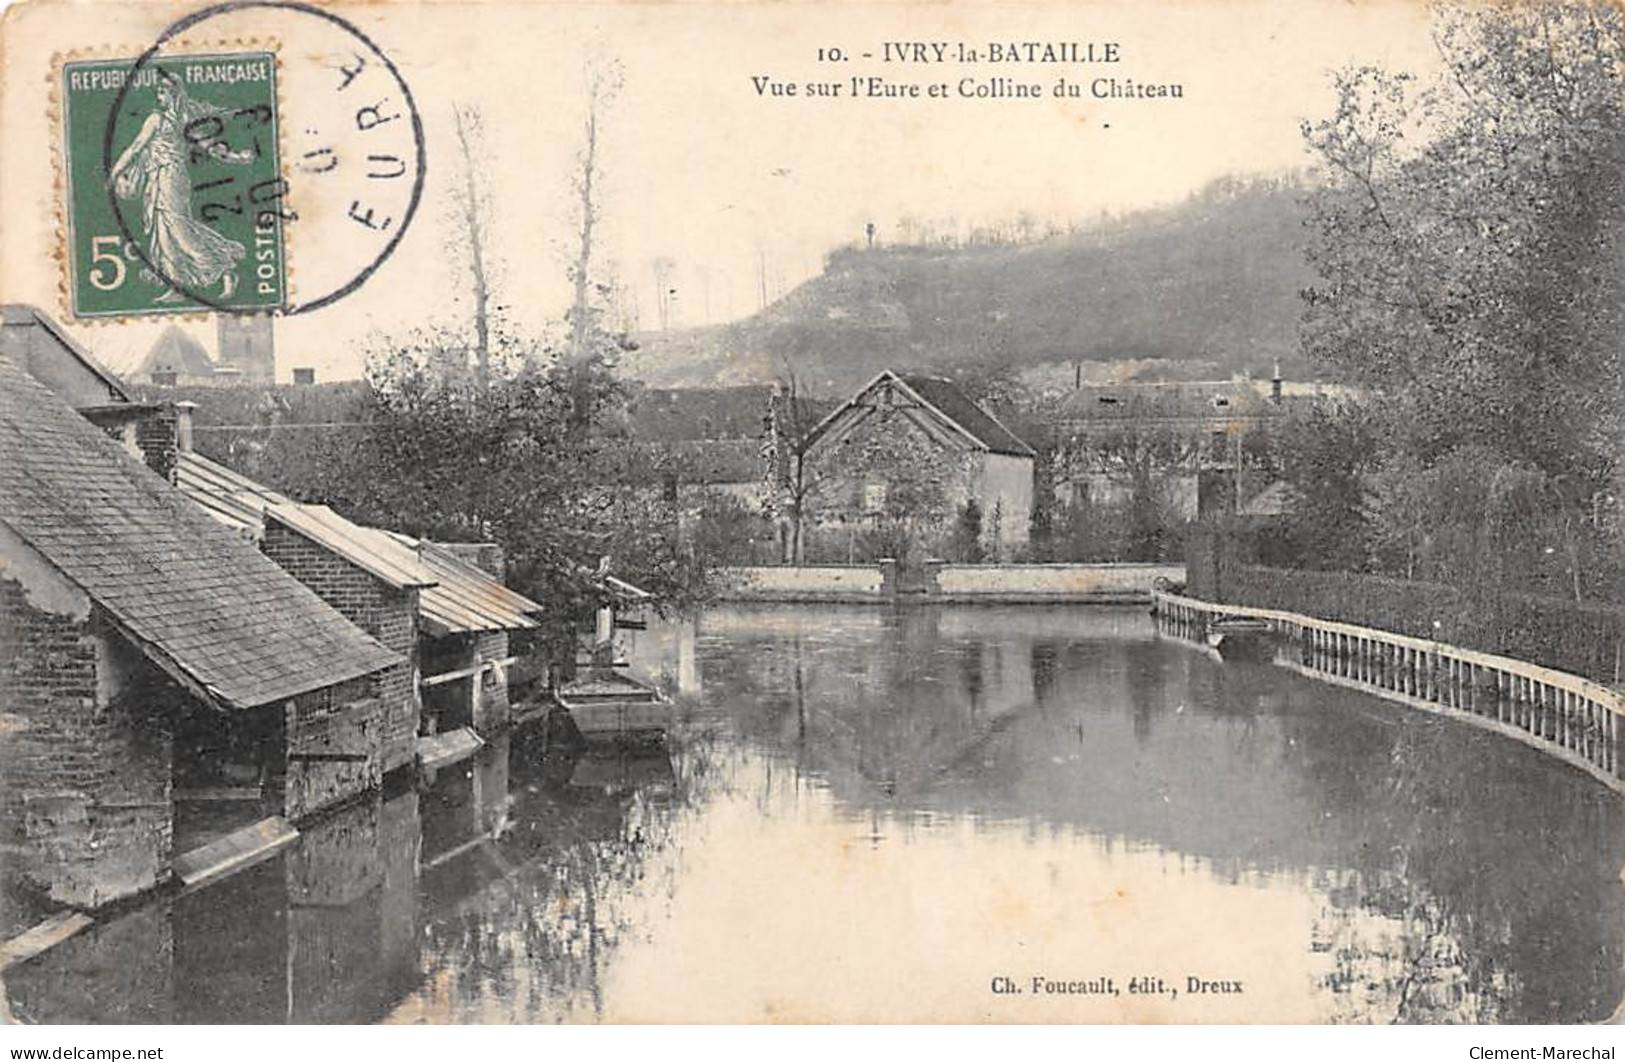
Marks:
<point>235,851</point>
<point>218,793</point>
<point>49,933</point>
<point>439,750</point>
<point>201,866</point>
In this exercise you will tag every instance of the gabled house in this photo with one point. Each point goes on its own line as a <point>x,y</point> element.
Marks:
<point>917,450</point>
<point>128,617</point>
<point>175,358</point>
<point>443,607</point>
<point>1204,442</point>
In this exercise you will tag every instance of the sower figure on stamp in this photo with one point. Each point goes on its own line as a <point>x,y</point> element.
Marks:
<point>187,252</point>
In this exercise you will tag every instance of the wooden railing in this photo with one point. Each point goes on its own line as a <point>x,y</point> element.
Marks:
<point>1572,718</point>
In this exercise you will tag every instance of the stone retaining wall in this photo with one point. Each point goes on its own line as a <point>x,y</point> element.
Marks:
<point>936,581</point>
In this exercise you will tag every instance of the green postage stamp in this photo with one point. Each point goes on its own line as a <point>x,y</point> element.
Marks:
<point>176,202</point>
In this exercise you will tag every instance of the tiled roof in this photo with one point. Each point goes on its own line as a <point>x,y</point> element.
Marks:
<point>714,461</point>
<point>957,406</point>
<point>178,352</point>
<point>942,400</point>
<point>674,414</point>
<point>691,461</point>
<point>683,414</point>
<point>1188,400</point>
<point>455,597</point>
<point>201,602</point>
<point>35,340</point>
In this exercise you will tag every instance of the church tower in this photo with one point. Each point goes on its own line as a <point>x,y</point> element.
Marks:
<point>248,345</point>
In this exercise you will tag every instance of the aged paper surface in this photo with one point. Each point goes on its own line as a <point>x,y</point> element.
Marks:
<point>1032,810</point>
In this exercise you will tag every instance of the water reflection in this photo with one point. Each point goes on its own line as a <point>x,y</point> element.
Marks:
<point>322,933</point>
<point>867,815</point>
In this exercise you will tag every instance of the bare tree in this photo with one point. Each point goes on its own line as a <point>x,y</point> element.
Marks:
<point>603,82</point>
<point>473,211</point>
<point>791,484</point>
<point>621,301</point>
<point>664,270</point>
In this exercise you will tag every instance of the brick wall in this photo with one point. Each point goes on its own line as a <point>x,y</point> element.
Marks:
<point>336,747</point>
<point>150,434</point>
<point>156,436</point>
<point>491,687</point>
<point>387,614</point>
<point>85,756</point>
<point>488,557</point>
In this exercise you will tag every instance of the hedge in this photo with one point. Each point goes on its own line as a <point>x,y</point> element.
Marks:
<point>1582,639</point>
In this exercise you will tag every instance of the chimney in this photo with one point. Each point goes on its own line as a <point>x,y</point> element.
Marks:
<point>488,557</point>
<point>156,436</point>
<point>603,641</point>
<point>183,426</point>
<point>1275,382</point>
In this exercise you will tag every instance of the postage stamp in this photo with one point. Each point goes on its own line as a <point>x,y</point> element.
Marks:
<point>176,201</point>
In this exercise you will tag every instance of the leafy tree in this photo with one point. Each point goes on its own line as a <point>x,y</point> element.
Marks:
<point>1467,244</point>
<point>966,544</point>
<point>729,532</point>
<point>521,440</point>
<point>1327,449</point>
<point>528,457</point>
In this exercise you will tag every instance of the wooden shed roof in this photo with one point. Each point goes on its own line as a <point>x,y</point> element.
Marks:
<point>454,596</point>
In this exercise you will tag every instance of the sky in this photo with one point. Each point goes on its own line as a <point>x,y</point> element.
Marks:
<point>727,183</point>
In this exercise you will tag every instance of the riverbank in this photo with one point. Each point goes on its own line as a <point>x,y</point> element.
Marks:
<point>1569,717</point>
<point>844,782</point>
<point>938,582</point>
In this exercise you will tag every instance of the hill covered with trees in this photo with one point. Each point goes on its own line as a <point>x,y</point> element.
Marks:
<point>1208,287</point>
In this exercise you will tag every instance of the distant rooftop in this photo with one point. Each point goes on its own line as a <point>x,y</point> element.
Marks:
<point>935,397</point>
<point>946,396</point>
<point>176,351</point>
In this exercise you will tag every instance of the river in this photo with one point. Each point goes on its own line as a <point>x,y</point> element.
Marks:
<point>955,813</point>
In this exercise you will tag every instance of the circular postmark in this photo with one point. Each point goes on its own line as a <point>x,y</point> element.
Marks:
<point>225,166</point>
